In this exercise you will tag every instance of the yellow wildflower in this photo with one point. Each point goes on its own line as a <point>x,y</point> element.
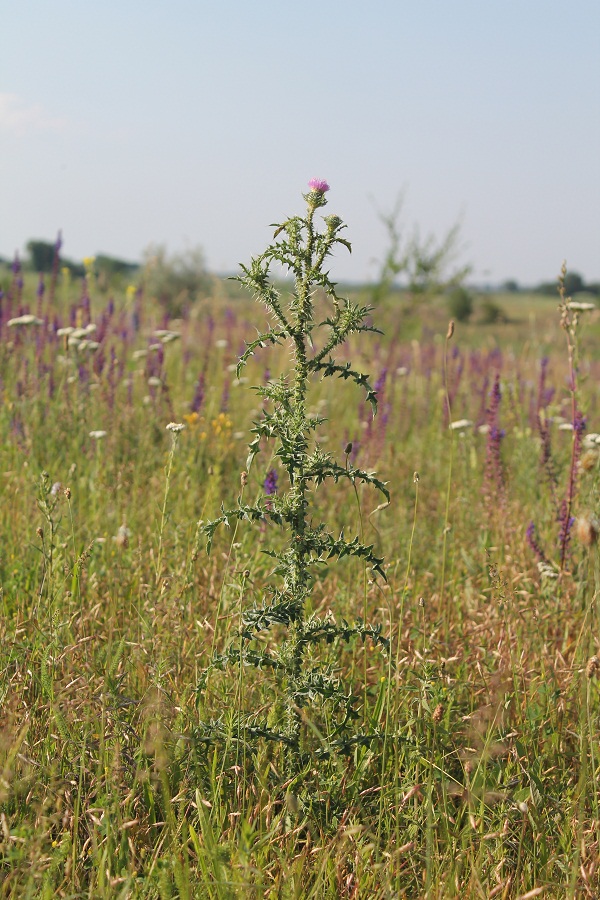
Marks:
<point>221,425</point>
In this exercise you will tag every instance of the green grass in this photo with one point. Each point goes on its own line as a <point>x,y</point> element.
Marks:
<point>484,782</point>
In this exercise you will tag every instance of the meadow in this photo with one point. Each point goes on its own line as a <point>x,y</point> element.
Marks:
<point>125,771</point>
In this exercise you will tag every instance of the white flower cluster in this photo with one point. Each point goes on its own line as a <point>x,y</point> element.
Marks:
<point>546,570</point>
<point>582,307</point>
<point>27,319</point>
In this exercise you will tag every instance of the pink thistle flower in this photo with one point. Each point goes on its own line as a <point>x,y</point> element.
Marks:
<point>318,184</point>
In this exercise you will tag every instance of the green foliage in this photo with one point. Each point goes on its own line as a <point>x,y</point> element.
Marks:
<point>472,769</point>
<point>573,283</point>
<point>111,265</point>
<point>41,255</point>
<point>302,250</point>
<point>491,312</point>
<point>425,266</point>
<point>460,304</point>
<point>176,281</point>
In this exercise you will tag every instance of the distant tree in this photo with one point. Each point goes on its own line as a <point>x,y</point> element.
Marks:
<point>77,270</point>
<point>427,266</point>
<point>510,286</point>
<point>491,313</point>
<point>41,255</point>
<point>176,281</point>
<point>547,288</point>
<point>593,288</point>
<point>460,304</point>
<point>112,272</point>
<point>573,283</point>
<point>114,266</point>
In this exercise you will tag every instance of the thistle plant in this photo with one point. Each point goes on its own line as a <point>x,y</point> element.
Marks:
<point>302,250</point>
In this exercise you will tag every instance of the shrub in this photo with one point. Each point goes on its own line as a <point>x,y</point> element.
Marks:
<point>41,255</point>
<point>460,304</point>
<point>175,281</point>
<point>491,313</point>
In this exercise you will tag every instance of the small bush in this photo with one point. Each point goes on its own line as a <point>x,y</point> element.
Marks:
<point>175,281</point>
<point>460,304</point>
<point>491,313</point>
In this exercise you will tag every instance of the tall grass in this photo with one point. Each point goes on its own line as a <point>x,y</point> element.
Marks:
<point>112,784</point>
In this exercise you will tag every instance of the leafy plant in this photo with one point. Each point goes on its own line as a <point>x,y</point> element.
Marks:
<point>460,304</point>
<point>176,281</point>
<point>302,250</point>
<point>491,312</point>
<point>426,265</point>
<point>570,312</point>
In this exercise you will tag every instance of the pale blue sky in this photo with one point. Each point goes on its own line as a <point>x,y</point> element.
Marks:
<point>189,122</point>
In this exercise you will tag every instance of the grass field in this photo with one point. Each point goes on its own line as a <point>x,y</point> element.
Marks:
<point>120,778</point>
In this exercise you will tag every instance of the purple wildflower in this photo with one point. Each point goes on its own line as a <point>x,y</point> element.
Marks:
<point>55,264</point>
<point>545,394</point>
<point>380,383</point>
<point>579,426</point>
<point>565,519</point>
<point>534,543</point>
<point>225,396</point>
<point>41,288</point>
<point>319,185</point>
<point>566,522</point>
<point>198,399</point>
<point>494,472</point>
<point>270,484</point>
<point>542,423</point>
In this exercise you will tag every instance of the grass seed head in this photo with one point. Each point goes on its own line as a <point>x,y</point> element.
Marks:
<point>593,666</point>
<point>587,528</point>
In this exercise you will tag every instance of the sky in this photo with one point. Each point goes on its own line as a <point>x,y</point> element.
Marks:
<point>192,123</point>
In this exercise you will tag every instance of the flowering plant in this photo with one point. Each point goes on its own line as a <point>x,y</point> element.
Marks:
<point>301,249</point>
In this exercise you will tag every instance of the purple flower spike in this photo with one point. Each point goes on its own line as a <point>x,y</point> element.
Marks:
<point>270,484</point>
<point>318,184</point>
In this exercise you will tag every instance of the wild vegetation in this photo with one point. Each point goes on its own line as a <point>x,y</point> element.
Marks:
<point>169,727</point>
